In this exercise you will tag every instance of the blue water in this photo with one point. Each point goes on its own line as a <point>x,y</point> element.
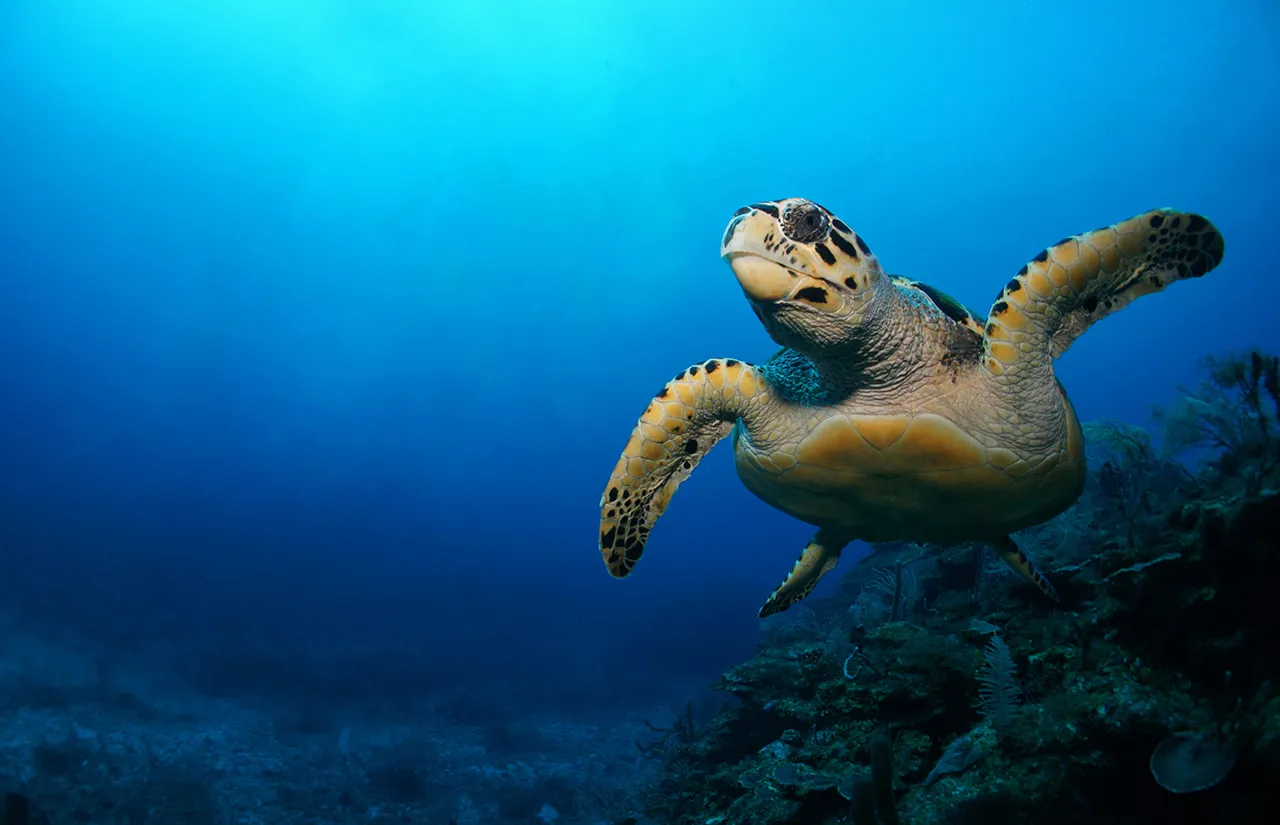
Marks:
<point>323,323</point>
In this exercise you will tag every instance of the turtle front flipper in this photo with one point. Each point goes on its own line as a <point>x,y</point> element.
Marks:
<point>1021,563</point>
<point>681,424</point>
<point>818,558</point>
<point>1069,286</point>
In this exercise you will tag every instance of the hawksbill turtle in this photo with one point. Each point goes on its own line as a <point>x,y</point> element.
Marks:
<point>892,412</point>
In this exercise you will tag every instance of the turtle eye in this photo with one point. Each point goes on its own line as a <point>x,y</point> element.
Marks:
<point>805,223</point>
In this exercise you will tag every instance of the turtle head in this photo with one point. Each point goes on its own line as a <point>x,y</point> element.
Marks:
<point>808,276</point>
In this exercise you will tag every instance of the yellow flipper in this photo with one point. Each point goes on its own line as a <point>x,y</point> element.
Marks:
<point>681,424</point>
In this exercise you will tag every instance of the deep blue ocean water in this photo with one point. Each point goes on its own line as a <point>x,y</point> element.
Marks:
<point>322,323</point>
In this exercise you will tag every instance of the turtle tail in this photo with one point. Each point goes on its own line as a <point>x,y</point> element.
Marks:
<point>681,424</point>
<point>1071,285</point>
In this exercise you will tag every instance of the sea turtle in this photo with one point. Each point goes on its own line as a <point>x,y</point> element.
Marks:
<point>891,411</point>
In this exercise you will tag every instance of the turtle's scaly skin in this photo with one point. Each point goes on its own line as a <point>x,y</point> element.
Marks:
<point>892,412</point>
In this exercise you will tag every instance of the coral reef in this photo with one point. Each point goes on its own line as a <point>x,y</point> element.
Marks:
<point>931,688</point>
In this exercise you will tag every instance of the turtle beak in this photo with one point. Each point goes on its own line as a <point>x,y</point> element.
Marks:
<point>726,244</point>
<point>763,280</point>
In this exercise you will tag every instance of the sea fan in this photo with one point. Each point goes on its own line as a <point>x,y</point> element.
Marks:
<point>999,694</point>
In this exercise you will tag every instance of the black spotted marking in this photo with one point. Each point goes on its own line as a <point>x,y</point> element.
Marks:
<point>711,366</point>
<point>1000,307</point>
<point>1013,285</point>
<point>679,376</point>
<point>612,513</point>
<point>842,226</point>
<point>742,211</point>
<point>1176,222</point>
<point>1090,303</point>
<point>825,254</point>
<point>606,541</point>
<point>767,208</point>
<point>663,393</point>
<point>1042,257</point>
<point>693,371</point>
<point>730,363</point>
<point>851,282</point>
<point>841,243</point>
<point>950,307</point>
<point>866,250</point>
<point>691,447</point>
<point>613,494</point>
<point>813,294</point>
<point>990,330</point>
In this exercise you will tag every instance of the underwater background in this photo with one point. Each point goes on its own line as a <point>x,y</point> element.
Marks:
<point>323,323</point>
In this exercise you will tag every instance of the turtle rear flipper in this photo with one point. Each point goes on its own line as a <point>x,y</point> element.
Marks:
<point>1022,564</point>
<point>818,558</point>
<point>681,424</point>
<point>1069,286</point>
